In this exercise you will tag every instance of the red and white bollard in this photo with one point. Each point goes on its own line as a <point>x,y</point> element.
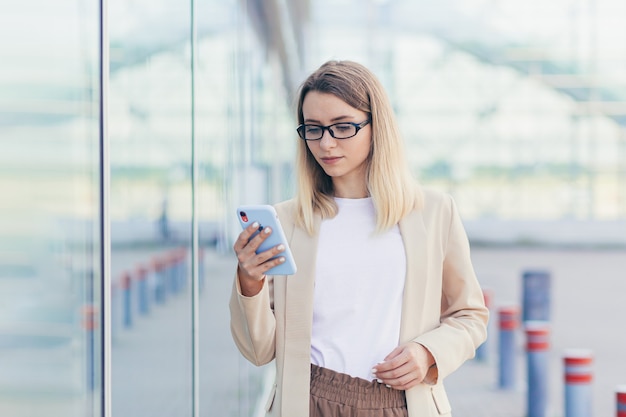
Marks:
<point>143,299</point>
<point>621,400</point>
<point>578,377</point>
<point>159,267</point>
<point>537,360</point>
<point>127,299</point>
<point>508,323</point>
<point>90,324</point>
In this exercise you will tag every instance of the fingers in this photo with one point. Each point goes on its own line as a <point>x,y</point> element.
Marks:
<point>244,237</point>
<point>405,367</point>
<point>395,369</point>
<point>253,265</point>
<point>268,262</point>
<point>402,378</point>
<point>396,359</point>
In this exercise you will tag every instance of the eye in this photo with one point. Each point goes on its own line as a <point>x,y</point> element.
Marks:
<point>312,129</point>
<point>343,127</point>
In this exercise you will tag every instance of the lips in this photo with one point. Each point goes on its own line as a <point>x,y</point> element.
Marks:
<point>330,159</point>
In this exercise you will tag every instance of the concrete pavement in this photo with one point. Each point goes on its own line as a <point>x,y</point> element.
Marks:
<point>588,288</point>
<point>152,362</point>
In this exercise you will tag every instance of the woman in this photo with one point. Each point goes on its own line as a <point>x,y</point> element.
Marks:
<point>385,303</point>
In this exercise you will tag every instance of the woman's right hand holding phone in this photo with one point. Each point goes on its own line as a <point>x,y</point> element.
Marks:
<point>252,266</point>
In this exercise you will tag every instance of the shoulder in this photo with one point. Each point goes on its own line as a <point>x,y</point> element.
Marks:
<point>436,201</point>
<point>286,210</point>
<point>438,208</point>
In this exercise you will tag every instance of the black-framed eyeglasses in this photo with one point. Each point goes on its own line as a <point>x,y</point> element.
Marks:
<point>342,130</point>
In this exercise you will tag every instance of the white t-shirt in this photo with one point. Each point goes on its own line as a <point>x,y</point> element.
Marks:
<point>359,284</point>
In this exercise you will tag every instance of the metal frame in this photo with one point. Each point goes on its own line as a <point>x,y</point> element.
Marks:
<point>104,226</point>
<point>195,287</point>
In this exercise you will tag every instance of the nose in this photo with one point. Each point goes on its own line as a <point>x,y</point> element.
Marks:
<point>327,141</point>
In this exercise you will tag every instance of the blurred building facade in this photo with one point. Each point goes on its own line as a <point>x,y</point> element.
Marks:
<point>114,155</point>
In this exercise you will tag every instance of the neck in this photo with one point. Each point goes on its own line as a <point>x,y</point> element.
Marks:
<point>344,191</point>
<point>352,185</point>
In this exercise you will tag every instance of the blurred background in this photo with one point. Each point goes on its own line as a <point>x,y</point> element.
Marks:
<point>517,109</point>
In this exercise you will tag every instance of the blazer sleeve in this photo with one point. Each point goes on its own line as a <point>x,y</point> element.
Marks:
<point>253,324</point>
<point>464,316</point>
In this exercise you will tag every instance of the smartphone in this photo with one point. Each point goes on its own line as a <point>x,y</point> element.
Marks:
<point>266,216</point>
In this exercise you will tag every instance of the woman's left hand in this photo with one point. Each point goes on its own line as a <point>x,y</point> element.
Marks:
<point>405,367</point>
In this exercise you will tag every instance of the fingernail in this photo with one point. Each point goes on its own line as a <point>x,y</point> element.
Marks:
<point>267,230</point>
<point>255,224</point>
<point>374,371</point>
<point>280,247</point>
<point>388,386</point>
<point>380,381</point>
<point>281,260</point>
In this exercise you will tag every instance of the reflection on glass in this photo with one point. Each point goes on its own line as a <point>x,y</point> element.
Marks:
<point>150,134</point>
<point>245,143</point>
<point>49,177</point>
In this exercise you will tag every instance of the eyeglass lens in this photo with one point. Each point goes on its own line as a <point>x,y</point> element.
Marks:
<point>337,131</point>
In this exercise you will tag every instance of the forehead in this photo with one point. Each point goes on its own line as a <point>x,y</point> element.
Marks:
<point>325,106</point>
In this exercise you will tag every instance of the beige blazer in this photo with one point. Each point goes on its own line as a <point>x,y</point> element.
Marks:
<point>443,308</point>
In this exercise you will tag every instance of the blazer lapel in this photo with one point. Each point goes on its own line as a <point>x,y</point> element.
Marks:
<point>299,301</point>
<point>414,236</point>
<point>299,319</point>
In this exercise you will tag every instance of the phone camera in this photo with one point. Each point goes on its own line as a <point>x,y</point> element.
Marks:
<point>244,216</point>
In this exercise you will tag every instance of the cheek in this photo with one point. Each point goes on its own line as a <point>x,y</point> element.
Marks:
<point>310,150</point>
<point>366,148</point>
<point>312,147</point>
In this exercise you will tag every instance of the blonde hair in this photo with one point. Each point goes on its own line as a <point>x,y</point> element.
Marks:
<point>393,190</point>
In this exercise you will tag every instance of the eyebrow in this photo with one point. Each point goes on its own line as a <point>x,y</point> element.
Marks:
<point>334,119</point>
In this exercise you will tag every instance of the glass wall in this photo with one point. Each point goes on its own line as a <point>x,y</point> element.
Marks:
<point>241,121</point>
<point>50,278</point>
<point>232,126</point>
<point>150,119</point>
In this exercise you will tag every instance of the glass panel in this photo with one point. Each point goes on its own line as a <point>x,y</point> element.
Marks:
<point>224,376</point>
<point>49,177</point>
<point>245,145</point>
<point>150,133</point>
